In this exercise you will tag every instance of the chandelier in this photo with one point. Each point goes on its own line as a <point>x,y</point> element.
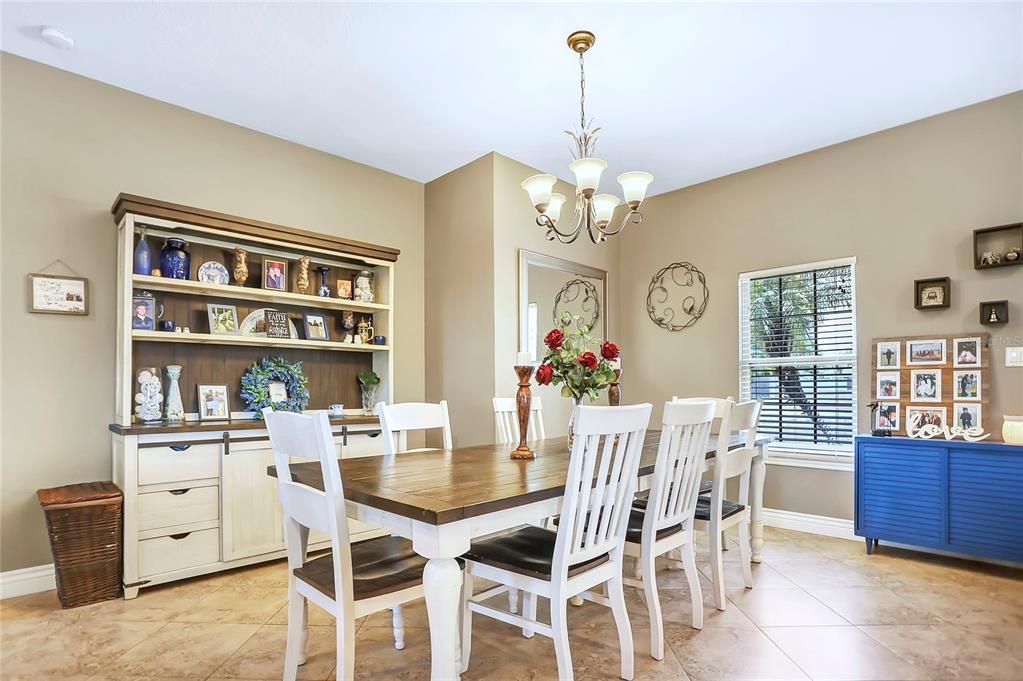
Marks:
<point>592,210</point>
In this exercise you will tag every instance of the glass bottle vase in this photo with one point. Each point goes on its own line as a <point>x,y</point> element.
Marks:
<point>369,399</point>
<point>576,403</point>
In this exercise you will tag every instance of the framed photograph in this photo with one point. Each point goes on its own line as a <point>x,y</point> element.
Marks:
<point>932,294</point>
<point>143,313</point>
<point>966,352</point>
<point>275,274</point>
<point>52,294</point>
<point>966,415</point>
<point>316,326</point>
<point>344,289</point>
<point>277,325</point>
<point>888,385</point>
<point>213,403</point>
<point>966,385</point>
<point>888,355</point>
<point>925,352</point>
<point>925,385</point>
<point>933,416</point>
<point>278,391</point>
<point>223,319</point>
<point>887,416</point>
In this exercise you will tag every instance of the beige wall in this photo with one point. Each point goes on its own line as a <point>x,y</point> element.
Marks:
<point>479,287</point>
<point>459,289</point>
<point>69,146</point>
<point>515,228</point>
<point>904,201</point>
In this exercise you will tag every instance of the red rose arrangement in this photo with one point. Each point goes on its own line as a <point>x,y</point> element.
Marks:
<point>572,363</point>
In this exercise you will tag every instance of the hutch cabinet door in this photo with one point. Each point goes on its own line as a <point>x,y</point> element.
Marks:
<point>252,520</point>
<point>900,493</point>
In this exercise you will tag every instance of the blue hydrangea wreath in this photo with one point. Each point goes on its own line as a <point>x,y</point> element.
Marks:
<point>256,385</point>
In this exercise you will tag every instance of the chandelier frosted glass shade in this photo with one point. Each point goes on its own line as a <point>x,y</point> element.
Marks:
<point>593,211</point>
<point>539,188</point>
<point>587,173</point>
<point>604,208</point>
<point>553,211</point>
<point>634,186</point>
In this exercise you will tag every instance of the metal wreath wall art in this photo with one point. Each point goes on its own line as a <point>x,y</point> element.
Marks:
<point>686,282</point>
<point>572,291</point>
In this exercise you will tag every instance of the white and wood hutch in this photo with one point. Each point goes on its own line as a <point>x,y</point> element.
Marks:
<point>197,498</point>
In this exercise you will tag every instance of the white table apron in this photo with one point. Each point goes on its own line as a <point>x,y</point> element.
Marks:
<point>441,544</point>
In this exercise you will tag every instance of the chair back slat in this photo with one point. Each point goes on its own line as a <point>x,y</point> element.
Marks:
<point>303,436</point>
<point>506,419</point>
<point>396,420</point>
<point>685,430</point>
<point>742,422</point>
<point>603,467</point>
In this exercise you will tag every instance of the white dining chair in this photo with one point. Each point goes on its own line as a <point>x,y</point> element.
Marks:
<point>506,420</point>
<point>396,420</point>
<point>714,512</point>
<point>353,580</point>
<point>585,551</point>
<point>662,522</point>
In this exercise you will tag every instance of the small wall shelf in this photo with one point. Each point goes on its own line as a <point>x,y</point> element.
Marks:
<point>999,240</point>
<point>1000,308</point>
<point>226,339</point>
<point>246,293</point>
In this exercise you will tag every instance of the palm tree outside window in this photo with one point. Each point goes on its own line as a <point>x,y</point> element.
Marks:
<point>797,354</point>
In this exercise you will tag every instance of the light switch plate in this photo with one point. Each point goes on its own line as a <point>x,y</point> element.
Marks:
<point>1014,356</point>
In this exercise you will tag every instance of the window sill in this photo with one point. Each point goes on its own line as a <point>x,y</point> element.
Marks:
<point>778,456</point>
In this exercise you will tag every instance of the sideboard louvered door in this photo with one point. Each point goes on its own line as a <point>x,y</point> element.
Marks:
<point>901,493</point>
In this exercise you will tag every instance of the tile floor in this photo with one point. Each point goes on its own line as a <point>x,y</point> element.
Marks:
<point>821,609</point>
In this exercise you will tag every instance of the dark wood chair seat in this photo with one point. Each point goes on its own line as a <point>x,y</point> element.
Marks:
<point>728,508</point>
<point>379,566</point>
<point>528,551</point>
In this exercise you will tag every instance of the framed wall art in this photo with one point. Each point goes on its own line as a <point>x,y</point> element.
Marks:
<point>928,352</point>
<point>57,294</point>
<point>932,294</point>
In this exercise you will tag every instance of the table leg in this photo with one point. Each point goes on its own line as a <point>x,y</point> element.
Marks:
<point>442,586</point>
<point>757,475</point>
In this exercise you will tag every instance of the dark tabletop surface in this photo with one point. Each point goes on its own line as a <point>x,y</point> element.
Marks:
<point>439,487</point>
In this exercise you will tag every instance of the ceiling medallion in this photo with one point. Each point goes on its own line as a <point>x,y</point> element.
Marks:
<point>593,211</point>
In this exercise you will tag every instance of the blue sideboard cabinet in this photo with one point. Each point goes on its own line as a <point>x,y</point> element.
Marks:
<point>964,497</point>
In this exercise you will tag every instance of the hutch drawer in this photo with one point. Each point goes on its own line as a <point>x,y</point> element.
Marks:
<point>178,463</point>
<point>178,551</point>
<point>178,507</point>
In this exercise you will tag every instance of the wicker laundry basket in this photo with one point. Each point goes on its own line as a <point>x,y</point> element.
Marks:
<point>84,522</point>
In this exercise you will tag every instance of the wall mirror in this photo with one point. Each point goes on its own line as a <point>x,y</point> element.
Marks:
<point>549,286</point>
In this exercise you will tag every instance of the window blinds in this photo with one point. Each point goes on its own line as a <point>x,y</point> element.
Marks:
<point>797,354</point>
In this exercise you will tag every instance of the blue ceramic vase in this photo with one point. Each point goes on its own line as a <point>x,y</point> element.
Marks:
<point>175,262</point>
<point>143,257</point>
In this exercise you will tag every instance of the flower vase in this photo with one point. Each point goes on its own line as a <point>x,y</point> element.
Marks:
<point>175,409</point>
<point>369,399</point>
<point>576,403</point>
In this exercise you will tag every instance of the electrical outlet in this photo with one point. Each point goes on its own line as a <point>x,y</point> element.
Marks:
<point>1014,356</point>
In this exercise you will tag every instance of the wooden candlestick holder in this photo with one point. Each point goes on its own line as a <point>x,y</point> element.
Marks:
<point>523,399</point>
<point>614,391</point>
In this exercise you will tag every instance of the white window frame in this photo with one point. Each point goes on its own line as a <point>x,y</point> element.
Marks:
<point>793,454</point>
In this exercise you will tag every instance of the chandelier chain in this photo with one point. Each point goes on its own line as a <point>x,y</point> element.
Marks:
<point>582,94</point>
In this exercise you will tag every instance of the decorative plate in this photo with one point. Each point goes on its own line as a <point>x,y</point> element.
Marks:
<point>212,272</point>
<point>254,324</point>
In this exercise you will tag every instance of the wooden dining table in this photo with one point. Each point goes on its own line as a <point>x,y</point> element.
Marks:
<point>442,499</point>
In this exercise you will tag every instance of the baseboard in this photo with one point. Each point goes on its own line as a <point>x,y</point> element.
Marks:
<point>27,581</point>
<point>807,522</point>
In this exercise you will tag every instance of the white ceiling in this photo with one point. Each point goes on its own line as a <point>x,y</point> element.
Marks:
<point>686,91</point>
